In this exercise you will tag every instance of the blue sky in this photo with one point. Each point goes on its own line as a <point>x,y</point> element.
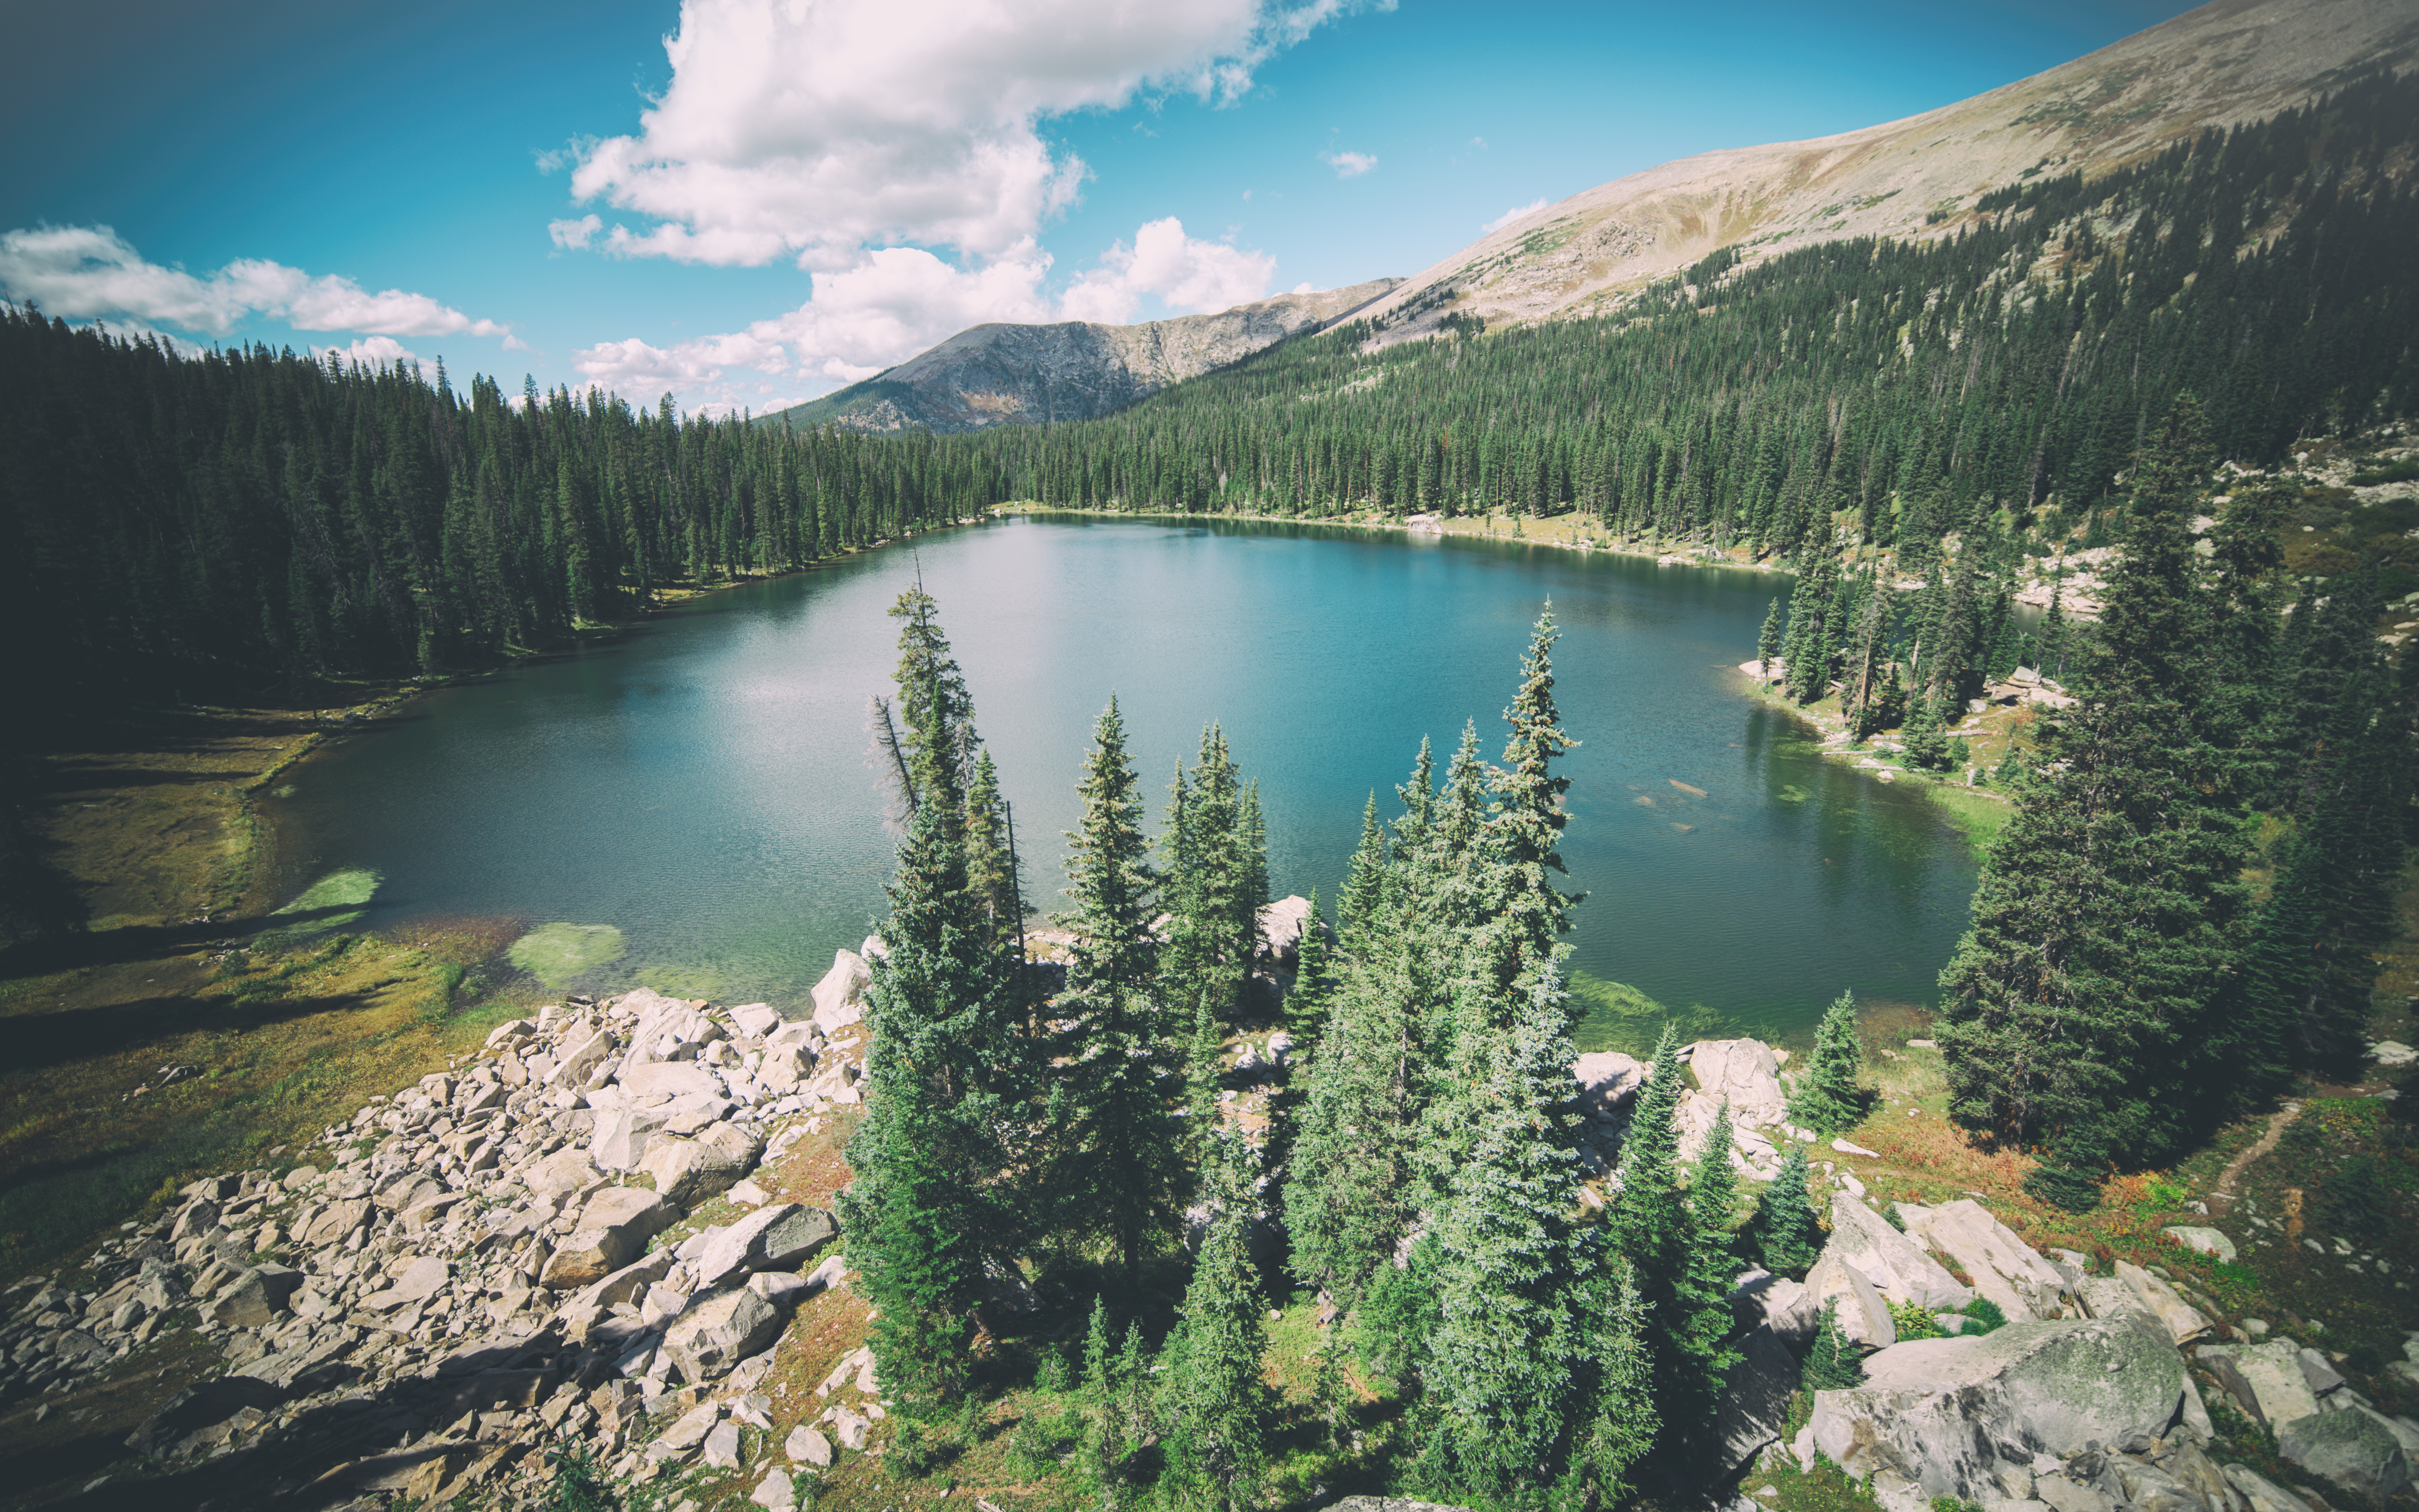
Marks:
<point>811,192</point>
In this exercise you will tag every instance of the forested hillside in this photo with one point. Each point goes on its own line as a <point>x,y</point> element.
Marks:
<point>254,510</point>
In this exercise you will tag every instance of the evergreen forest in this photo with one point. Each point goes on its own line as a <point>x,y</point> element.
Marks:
<point>252,513</point>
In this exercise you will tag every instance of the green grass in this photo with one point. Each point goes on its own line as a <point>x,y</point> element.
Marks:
<point>351,889</point>
<point>557,953</point>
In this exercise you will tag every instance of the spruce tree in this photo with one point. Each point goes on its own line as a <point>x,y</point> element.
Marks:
<point>1214,1402</point>
<point>1787,1239</point>
<point>1313,984</point>
<point>1827,1099</point>
<point>1700,1315</point>
<point>1832,1364</point>
<point>1214,865</point>
<point>1767,640</point>
<point>946,1064</point>
<point>2077,1012</point>
<point>1119,1171</point>
<point>1357,904</point>
<point>1506,1340</point>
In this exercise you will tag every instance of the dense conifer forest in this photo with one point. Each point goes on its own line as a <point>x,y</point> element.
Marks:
<point>253,513</point>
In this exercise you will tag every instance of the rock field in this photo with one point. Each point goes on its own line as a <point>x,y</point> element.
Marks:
<point>476,1281</point>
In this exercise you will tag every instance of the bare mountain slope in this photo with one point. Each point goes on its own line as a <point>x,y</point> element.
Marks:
<point>2232,61</point>
<point>994,375</point>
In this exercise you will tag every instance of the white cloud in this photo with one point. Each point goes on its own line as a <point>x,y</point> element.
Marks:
<point>1349,164</point>
<point>88,271</point>
<point>1516,213</point>
<point>1187,275</point>
<point>811,131</point>
<point>574,236</point>
<point>898,301</point>
<point>372,350</point>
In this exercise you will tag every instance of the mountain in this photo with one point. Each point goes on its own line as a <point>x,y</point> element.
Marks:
<point>1922,178</point>
<point>1017,374</point>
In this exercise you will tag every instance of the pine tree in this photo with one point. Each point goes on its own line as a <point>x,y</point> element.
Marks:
<point>1827,1099</point>
<point>1501,1361</point>
<point>2076,1011</point>
<point>1119,1170</point>
<point>1214,1400</point>
<point>1927,744</point>
<point>1832,1364</point>
<point>1700,1315</point>
<point>1215,866</point>
<point>1357,905</point>
<point>1787,1239</point>
<point>1767,640</point>
<point>945,1065</point>
<point>1313,984</point>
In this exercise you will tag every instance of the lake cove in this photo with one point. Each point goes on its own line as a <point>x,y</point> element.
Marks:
<point>703,786</point>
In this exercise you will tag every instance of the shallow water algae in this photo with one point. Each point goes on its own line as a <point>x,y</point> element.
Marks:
<point>334,902</point>
<point>683,981</point>
<point>556,953</point>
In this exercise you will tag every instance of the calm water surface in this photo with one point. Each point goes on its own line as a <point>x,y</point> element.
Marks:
<point>703,786</point>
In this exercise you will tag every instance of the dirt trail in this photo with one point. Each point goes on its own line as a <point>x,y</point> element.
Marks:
<point>2222,1193</point>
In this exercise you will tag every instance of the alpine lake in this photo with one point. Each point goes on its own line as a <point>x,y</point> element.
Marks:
<point>693,806</point>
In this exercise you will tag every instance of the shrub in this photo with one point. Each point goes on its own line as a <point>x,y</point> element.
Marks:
<point>1832,1365</point>
<point>1912,1322</point>
<point>1985,1311</point>
<point>2359,1204</point>
<point>2061,1187</point>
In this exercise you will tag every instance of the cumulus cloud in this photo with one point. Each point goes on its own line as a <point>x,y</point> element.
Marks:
<point>370,351</point>
<point>1349,164</point>
<point>812,131</point>
<point>1187,275</point>
<point>574,236</point>
<point>91,271</point>
<point>898,301</point>
<point>1515,213</point>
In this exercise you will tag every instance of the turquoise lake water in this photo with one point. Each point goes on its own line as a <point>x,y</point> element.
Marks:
<point>702,785</point>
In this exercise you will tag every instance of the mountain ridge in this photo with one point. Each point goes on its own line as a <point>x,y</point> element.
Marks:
<point>1000,373</point>
<point>2222,65</point>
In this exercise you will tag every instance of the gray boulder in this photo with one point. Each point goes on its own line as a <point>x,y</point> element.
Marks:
<point>717,1330</point>
<point>2183,1322</point>
<point>1945,1412</point>
<point>1897,1269</point>
<point>1755,1401</point>
<point>687,1171</point>
<point>1864,1316</point>
<point>1742,1073</point>
<point>2358,1448</point>
<point>840,996</point>
<point>622,1132</point>
<point>2264,1380</point>
<point>1608,1081</point>
<point>779,1237</point>
<point>2005,1268</point>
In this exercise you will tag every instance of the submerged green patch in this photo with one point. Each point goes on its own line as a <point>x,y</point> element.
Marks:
<point>333,902</point>
<point>1616,1016</point>
<point>683,981</point>
<point>556,953</point>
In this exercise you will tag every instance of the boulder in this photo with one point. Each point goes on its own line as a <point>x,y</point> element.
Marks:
<point>2202,1240</point>
<point>565,1170</point>
<point>1945,1412</point>
<point>687,1171</point>
<point>689,1429</point>
<point>777,1238</point>
<point>717,1330</point>
<point>630,1282</point>
<point>2263,1494</point>
<point>416,1280</point>
<point>579,1062</point>
<point>2264,1380</point>
<point>255,1297</point>
<point>643,1213</point>
<point>1755,1402</point>
<point>588,1255</point>
<point>756,1019</point>
<point>333,1223</point>
<point>1759,1298</point>
<point>2160,1301</point>
<point>1894,1264</point>
<point>1742,1073</point>
<point>622,1132</point>
<point>1280,926</point>
<point>407,1190</point>
<point>840,996</point>
<point>672,1078</point>
<point>2358,1448</point>
<point>806,1447</point>
<point>2003,1267</point>
<point>1864,1316</point>
<point>776,1492</point>
<point>783,1068</point>
<point>722,1446</point>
